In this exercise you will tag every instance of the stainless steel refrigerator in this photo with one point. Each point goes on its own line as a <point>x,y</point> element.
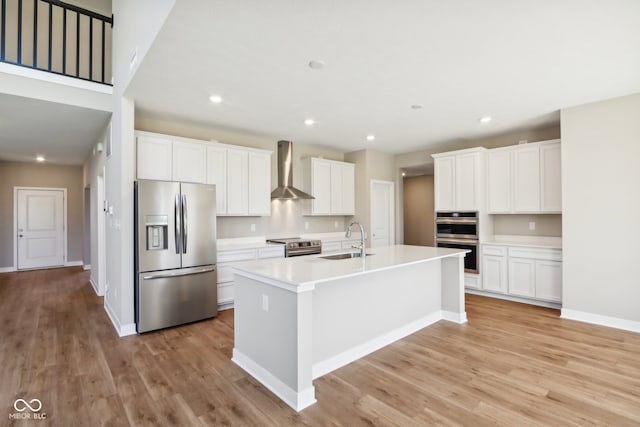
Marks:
<point>175,246</point>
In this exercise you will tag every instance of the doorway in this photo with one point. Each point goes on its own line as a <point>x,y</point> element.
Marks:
<point>382,213</point>
<point>40,227</point>
<point>418,208</point>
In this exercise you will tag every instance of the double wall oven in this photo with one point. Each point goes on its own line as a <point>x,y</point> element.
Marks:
<point>459,230</point>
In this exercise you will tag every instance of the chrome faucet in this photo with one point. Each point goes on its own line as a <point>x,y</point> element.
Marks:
<point>348,234</point>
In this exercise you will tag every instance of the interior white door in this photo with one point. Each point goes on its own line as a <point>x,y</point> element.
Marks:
<point>381,213</point>
<point>40,228</point>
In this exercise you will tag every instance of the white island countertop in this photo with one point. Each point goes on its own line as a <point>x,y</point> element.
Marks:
<point>306,271</point>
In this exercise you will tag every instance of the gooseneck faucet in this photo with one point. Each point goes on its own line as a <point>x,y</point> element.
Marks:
<point>348,234</point>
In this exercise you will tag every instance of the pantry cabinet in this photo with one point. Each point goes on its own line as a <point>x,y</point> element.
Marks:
<point>332,184</point>
<point>459,180</point>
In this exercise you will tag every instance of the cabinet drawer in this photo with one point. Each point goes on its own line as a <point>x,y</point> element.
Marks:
<point>331,246</point>
<point>472,281</point>
<point>494,250</point>
<point>536,253</point>
<point>242,255</point>
<point>274,252</point>
<point>225,293</point>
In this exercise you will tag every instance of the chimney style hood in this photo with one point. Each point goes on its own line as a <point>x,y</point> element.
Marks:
<point>285,189</point>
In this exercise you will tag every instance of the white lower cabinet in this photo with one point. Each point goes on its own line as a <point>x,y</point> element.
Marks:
<point>226,259</point>
<point>494,273</point>
<point>522,277</point>
<point>528,272</point>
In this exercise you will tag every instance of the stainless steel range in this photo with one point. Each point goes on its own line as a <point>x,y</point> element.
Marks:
<point>296,246</point>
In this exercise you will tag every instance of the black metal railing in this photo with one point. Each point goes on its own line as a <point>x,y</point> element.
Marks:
<point>77,41</point>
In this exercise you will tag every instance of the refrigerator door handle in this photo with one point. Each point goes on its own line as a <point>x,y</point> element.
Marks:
<point>184,224</point>
<point>168,275</point>
<point>178,227</point>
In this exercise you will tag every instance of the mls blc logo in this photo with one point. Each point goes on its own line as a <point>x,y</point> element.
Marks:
<point>33,405</point>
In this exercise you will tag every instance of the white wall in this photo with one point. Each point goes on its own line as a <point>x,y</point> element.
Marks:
<point>601,212</point>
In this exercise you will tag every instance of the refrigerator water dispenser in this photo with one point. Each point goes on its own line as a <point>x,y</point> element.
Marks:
<point>157,229</point>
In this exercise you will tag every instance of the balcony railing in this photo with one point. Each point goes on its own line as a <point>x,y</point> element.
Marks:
<point>57,37</point>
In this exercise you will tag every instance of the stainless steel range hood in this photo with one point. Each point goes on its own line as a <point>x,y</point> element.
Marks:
<point>285,189</point>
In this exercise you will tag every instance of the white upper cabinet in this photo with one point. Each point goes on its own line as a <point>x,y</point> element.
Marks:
<point>154,157</point>
<point>217,175</point>
<point>499,181</point>
<point>332,183</point>
<point>259,184</point>
<point>237,182</point>
<point>550,177</point>
<point>524,178</point>
<point>242,176</point>
<point>459,180</point>
<point>189,161</point>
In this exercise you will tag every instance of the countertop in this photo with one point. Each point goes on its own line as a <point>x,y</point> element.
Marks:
<point>240,243</point>
<point>547,242</point>
<point>310,270</point>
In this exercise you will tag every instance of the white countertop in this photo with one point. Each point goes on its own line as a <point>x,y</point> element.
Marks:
<point>309,270</point>
<point>549,242</point>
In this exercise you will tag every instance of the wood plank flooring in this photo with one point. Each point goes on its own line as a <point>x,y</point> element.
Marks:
<point>511,364</point>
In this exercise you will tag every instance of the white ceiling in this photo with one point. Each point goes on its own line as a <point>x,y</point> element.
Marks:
<point>519,62</point>
<point>64,134</point>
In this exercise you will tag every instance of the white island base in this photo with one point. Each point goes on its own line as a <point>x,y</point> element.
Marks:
<point>299,318</point>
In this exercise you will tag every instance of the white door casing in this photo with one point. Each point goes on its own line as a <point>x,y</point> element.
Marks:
<point>40,222</point>
<point>382,213</point>
<point>101,227</point>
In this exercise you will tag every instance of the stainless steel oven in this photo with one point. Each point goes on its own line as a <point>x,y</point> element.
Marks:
<point>459,230</point>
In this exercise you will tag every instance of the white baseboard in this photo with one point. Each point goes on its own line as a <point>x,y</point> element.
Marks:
<point>73,263</point>
<point>225,306</point>
<point>547,304</point>
<point>598,319</point>
<point>452,316</point>
<point>7,269</point>
<point>86,267</point>
<point>297,400</point>
<point>331,364</point>
<point>122,330</point>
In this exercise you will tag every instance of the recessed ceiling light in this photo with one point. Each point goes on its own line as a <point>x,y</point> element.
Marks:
<point>404,174</point>
<point>40,159</point>
<point>485,119</point>
<point>316,65</point>
<point>371,137</point>
<point>309,122</point>
<point>417,106</point>
<point>216,99</point>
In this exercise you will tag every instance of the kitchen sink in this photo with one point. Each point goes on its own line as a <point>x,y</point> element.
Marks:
<point>344,256</point>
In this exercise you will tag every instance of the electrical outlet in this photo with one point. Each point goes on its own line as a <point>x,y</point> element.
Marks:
<point>265,302</point>
<point>253,227</point>
<point>306,225</point>
<point>532,225</point>
<point>335,224</point>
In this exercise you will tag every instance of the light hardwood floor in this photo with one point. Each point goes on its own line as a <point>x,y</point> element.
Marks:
<point>511,364</point>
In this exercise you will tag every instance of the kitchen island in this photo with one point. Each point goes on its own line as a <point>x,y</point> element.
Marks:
<point>297,319</point>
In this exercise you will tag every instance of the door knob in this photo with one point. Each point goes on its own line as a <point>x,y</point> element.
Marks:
<point>19,235</point>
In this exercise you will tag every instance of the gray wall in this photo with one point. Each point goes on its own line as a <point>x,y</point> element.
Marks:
<point>418,210</point>
<point>601,205</point>
<point>17,174</point>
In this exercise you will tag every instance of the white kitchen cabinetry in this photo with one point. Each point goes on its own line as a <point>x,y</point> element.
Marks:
<point>524,178</point>
<point>494,269</point>
<point>459,180</point>
<point>217,175</point>
<point>242,176</point>
<point>332,183</point>
<point>534,273</point>
<point>226,260</point>
<point>189,161</point>
<point>154,157</point>
<point>550,177</point>
<point>259,183</point>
